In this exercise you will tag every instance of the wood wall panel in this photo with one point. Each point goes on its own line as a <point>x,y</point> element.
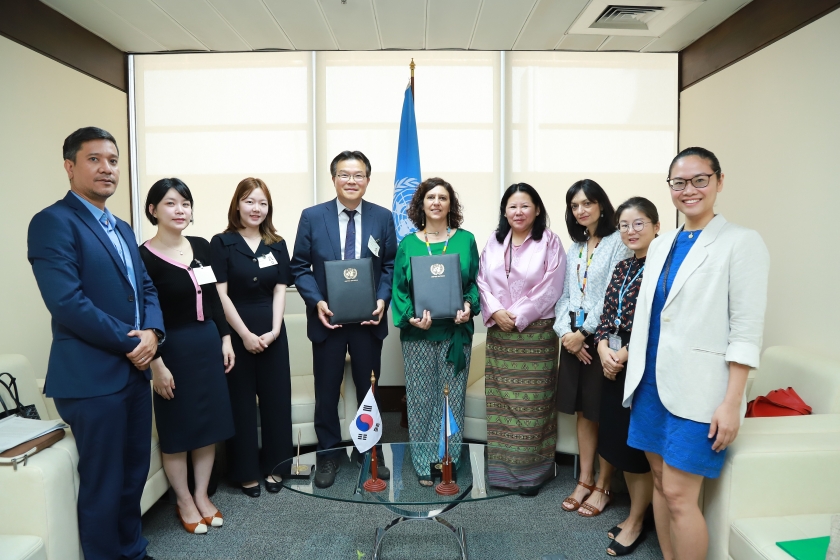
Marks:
<point>39,27</point>
<point>753,27</point>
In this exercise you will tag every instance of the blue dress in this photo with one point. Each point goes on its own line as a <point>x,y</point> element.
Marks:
<point>682,443</point>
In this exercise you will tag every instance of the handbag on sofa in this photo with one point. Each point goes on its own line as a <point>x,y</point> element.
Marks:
<point>779,402</point>
<point>24,411</point>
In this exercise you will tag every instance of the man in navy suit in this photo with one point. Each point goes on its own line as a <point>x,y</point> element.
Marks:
<point>344,228</point>
<point>106,327</point>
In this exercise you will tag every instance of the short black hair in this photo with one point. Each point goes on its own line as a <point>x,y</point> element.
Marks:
<point>159,190</point>
<point>74,142</point>
<point>540,222</point>
<point>347,154</point>
<point>593,192</point>
<point>702,153</point>
<point>641,204</point>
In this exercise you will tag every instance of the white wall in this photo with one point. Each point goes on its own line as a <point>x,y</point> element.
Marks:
<point>773,120</point>
<point>41,103</point>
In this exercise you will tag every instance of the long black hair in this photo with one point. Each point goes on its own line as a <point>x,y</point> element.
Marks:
<point>594,193</point>
<point>540,222</point>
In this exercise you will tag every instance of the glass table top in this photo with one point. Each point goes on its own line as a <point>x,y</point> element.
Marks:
<point>478,476</point>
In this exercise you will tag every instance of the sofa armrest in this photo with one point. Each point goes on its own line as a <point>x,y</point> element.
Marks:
<point>772,474</point>
<point>52,411</point>
<point>476,362</point>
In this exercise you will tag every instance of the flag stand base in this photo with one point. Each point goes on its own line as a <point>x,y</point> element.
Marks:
<point>375,485</point>
<point>447,488</point>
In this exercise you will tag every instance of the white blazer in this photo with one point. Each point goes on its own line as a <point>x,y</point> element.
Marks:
<point>714,314</point>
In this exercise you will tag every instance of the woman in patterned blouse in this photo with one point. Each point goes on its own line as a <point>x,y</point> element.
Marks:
<point>638,223</point>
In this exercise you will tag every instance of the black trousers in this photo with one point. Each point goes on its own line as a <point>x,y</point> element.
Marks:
<point>328,361</point>
<point>112,435</point>
<point>265,375</point>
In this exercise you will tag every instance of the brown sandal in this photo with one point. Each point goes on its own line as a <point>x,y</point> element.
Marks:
<point>576,503</point>
<point>588,510</point>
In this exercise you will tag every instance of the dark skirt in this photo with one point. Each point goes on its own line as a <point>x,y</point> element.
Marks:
<point>615,425</point>
<point>578,384</point>
<point>200,413</point>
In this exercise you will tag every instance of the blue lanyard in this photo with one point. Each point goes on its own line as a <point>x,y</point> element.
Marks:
<point>622,292</point>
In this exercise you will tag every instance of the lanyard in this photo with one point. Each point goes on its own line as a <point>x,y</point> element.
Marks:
<point>429,247</point>
<point>623,292</point>
<point>510,258</point>
<point>582,285</point>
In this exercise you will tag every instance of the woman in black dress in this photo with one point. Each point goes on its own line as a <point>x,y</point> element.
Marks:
<point>251,263</point>
<point>638,223</point>
<point>192,407</point>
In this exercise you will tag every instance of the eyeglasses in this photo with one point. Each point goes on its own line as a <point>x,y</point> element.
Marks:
<point>699,181</point>
<point>637,225</point>
<point>358,177</point>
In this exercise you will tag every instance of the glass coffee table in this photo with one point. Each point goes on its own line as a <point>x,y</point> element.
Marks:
<point>403,493</point>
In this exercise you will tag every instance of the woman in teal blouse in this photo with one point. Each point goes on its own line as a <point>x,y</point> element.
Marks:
<point>436,351</point>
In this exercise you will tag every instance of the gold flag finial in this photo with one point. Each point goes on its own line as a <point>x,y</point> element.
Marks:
<point>446,389</point>
<point>372,377</point>
<point>412,65</point>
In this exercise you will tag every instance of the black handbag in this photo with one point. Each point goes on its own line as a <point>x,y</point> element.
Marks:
<point>20,409</point>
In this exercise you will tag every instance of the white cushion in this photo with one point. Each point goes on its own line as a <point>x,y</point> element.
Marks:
<point>303,400</point>
<point>755,538</point>
<point>22,547</point>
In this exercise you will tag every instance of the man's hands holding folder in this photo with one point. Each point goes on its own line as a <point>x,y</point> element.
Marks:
<point>324,314</point>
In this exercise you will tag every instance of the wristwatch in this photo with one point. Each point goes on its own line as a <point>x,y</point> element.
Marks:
<point>160,336</point>
<point>585,333</point>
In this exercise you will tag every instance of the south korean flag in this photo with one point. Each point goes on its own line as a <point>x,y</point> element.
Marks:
<point>366,429</point>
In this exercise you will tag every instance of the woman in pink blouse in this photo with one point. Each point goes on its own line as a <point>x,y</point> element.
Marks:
<point>520,278</point>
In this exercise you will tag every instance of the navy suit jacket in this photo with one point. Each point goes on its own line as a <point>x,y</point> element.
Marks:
<point>84,285</point>
<point>318,240</point>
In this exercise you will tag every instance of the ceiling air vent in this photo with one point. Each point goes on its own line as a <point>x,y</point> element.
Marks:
<point>626,17</point>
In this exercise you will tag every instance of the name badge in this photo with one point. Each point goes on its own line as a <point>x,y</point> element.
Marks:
<point>373,246</point>
<point>579,318</point>
<point>614,342</point>
<point>266,260</point>
<point>204,275</point>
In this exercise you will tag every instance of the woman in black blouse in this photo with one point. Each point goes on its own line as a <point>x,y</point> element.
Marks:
<point>251,263</point>
<point>638,222</point>
<point>192,407</point>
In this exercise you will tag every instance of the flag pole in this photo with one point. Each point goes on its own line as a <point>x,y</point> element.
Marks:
<point>412,65</point>
<point>374,483</point>
<point>447,486</point>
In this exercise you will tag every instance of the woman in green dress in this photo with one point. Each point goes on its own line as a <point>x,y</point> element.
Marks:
<point>436,351</point>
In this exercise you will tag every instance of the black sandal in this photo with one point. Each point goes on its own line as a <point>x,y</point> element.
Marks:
<point>614,532</point>
<point>619,549</point>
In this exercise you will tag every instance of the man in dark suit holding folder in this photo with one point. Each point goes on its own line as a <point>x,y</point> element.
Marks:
<point>344,228</point>
<point>106,327</point>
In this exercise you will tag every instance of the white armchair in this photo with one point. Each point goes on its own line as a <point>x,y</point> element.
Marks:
<point>780,479</point>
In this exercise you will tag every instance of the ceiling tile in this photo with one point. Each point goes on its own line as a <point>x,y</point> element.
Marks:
<point>353,24</point>
<point>254,23</point>
<point>451,23</point>
<point>625,43</point>
<point>202,20</point>
<point>402,23</point>
<point>155,23</point>
<point>701,20</point>
<point>499,24</point>
<point>547,23</point>
<point>103,22</point>
<point>303,23</point>
<point>582,42</point>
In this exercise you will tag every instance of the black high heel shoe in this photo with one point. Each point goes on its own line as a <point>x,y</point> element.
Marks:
<point>619,549</point>
<point>252,491</point>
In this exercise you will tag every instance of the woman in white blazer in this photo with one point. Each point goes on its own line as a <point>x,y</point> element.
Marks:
<point>696,334</point>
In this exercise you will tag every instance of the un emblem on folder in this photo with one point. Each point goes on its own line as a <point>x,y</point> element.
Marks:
<point>350,273</point>
<point>437,270</point>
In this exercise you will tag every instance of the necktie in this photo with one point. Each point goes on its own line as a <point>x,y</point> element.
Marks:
<point>112,235</point>
<point>350,238</point>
